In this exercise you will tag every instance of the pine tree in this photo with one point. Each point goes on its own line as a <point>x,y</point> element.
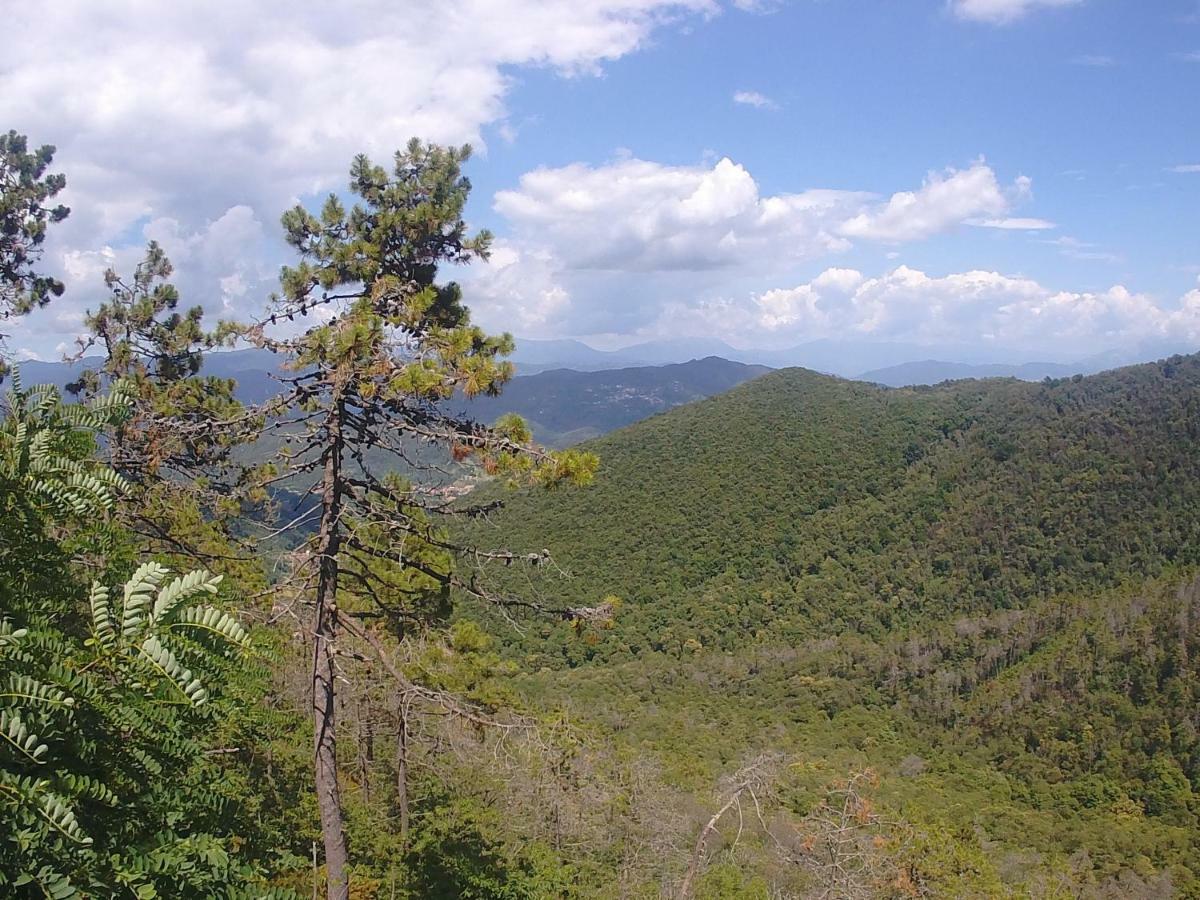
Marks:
<point>176,448</point>
<point>368,397</point>
<point>25,189</point>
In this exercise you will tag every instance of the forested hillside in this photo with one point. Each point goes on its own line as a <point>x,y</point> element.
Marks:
<point>980,589</point>
<point>832,504</point>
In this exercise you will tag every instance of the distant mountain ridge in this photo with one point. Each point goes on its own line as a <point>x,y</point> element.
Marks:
<point>932,371</point>
<point>858,359</point>
<point>563,406</point>
<point>894,364</point>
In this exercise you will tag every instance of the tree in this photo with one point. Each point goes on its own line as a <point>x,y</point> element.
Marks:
<point>372,379</point>
<point>25,189</point>
<point>176,447</point>
<point>106,699</point>
<point>756,779</point>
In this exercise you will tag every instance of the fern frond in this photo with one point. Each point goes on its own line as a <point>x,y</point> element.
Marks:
<point>180,589</point>
<point>54,885</point>
<point>102,619</point>
<point>165,662</point>
<point>214,621</point>
<point>9,636</point>
<point>86,786</point>
<point>24,689</point>
<point>18,735</point>
<point>58,812</point>
<point>138,591</point>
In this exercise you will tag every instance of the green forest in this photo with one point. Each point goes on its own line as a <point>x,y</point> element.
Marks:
<point>808,638</point>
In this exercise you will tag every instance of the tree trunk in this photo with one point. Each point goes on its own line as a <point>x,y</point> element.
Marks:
<point>329,798</point>
<point>402,771</point>
<point>685,889</point>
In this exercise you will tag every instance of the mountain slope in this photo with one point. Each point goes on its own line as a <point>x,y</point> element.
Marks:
<point>565,407</point>
<point>972,589</point>
<point>913,503</point>
<point>532,356</point>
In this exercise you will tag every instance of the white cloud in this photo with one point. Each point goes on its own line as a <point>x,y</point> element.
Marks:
<point>635,215</point>
<point>1013,224</point>
<point>607,249</point>
<point>1186,169</point>
<point>755,99</point>
<point>225,265</point>
<point>185,111</point>
<point>943,201</point>
<point>1077,249</point>
<point>971,307</point>
<point>809,307</point>
<point>1010,315</point>
<point>761,7</point>
<point>242,102</point>
<point>1000,12</point>
<point>519,290</point>
<point>222,263</point>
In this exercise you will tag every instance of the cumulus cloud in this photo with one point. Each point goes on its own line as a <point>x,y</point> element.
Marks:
<point>189,113</point>
<point>1008,314</point>
<point>978,306</point>
<point>755,99</point>
<point>223,265</point>
<point>635,215</point>
<point>280,97</point>
<point>519,290</point>
<point>944,200</point>
<point>1001,12</point>
<point>613,248</point>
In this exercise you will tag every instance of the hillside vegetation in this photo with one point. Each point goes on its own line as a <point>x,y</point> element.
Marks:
<point>983,585</point>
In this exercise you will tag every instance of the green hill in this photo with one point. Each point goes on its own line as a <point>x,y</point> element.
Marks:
<point>565,407</point>
<point>984,577</point>
<point>822,504</point>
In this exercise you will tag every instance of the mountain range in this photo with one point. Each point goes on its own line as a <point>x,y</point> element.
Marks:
<point>562,406</point>
<point>565,407</point>
<point>844,357</point>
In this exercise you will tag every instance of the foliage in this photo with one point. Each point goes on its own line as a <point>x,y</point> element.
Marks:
<point>25,189</point>
<point>105,699</point>
<point>390,345</point>
<point>983,577</point>
<point>176,448</point>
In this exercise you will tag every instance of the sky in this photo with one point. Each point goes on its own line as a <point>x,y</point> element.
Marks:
<point>1016,175</point>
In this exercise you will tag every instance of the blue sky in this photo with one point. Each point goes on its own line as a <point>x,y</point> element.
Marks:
<point>1008,174</point>
<point>1094,102</point>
